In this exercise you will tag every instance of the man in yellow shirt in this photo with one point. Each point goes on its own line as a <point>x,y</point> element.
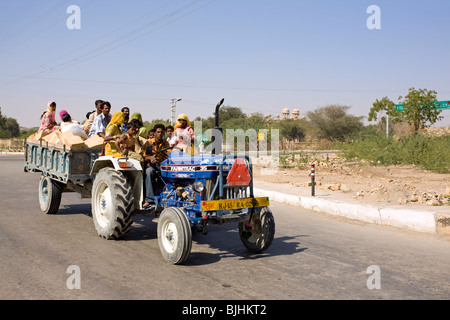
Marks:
<point>153,162</point>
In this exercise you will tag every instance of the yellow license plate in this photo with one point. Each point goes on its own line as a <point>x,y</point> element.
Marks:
<point>233,204</point>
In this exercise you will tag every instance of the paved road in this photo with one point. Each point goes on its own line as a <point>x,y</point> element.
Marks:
<point>313,256</point>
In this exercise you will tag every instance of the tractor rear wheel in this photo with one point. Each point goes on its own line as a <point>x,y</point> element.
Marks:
<point>258,235</point>
<point>49,195</point>
<point>112,204</point>
<point>174,235</point>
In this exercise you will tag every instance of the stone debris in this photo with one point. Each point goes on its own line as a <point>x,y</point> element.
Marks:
<point>364,181</point>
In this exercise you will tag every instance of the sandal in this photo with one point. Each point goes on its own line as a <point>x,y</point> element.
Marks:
<point>148,205</point>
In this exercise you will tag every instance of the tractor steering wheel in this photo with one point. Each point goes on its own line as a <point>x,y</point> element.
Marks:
<point>164,150</point>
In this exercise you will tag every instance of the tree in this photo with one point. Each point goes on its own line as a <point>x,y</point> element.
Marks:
<point>12,126</point>
<point>384,105</point>
<point>419,108</point>
<point>9,128</point>
<point>291,129</point>
<point>333,123</point>
<point>149,125</point>
<point>2,119</point>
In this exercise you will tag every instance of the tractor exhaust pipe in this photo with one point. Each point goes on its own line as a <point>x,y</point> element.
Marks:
<point>217,112</point>
<point>217,133</point>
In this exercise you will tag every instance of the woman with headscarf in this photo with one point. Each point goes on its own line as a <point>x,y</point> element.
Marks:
<point>48,122</point>
<point>112,132</point>
<point>142,130</point>
<point>185,134</point>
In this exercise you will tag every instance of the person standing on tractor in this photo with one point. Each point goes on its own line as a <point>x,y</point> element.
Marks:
<point>152,163</point>
<point>185,134</point>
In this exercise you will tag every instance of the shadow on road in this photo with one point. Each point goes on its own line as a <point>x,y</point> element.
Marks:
<point>226,239</point>
<point>222,238</point>
<point>83,208</point>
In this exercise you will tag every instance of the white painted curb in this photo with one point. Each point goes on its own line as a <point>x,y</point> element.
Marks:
<point>415,220</point>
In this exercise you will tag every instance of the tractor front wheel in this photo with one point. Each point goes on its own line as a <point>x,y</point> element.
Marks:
<point>258,234</point>
<point>174,235</point>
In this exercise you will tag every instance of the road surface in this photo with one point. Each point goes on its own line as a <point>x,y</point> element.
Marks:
<point>313,256</point>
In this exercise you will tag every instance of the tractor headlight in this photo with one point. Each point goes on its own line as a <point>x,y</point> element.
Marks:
<point>198,186</point>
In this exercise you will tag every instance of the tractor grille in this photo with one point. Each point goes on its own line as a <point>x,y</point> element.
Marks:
<point>236,192</point>
<point>228,192</point>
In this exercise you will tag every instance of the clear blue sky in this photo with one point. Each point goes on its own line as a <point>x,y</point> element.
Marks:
<point>260,55</point>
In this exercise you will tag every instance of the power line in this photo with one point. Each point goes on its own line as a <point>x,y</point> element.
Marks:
<point>96,52</point>
<point>33,22</point>
<point>40,31</point>
<point>200,86</point>
<point>181,85</point>
<point>114,32</point>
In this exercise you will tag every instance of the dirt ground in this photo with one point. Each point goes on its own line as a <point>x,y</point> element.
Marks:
<point>370,184</point>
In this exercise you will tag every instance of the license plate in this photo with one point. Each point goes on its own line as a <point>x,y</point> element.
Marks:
<point>233,204</point>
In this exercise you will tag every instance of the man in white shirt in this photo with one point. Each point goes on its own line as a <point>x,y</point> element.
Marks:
<point>101,121</point>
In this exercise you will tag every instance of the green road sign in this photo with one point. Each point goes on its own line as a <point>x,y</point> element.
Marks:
<point>440,105</point>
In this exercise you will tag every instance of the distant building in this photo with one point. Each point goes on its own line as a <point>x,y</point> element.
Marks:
<point>285,113</point>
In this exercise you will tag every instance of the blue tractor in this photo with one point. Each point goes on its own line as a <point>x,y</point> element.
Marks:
<point>192,192</point>
<point>199,191</point>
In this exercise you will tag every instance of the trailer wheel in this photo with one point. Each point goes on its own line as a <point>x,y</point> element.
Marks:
<point>174,235</point>
<point>49,195</point>
<point>258,236</point>
<point>112,204</point>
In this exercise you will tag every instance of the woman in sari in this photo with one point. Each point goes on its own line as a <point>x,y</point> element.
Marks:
<point>185,134</point>
<point>48,122</point>
<point>112,132</point>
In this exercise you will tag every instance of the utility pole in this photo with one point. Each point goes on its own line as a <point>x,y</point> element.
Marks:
<point>173,106</point>
<point>387,125</point>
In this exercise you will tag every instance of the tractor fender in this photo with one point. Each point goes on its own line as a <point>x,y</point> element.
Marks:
<point>133,172</point>
<point>112,162</point>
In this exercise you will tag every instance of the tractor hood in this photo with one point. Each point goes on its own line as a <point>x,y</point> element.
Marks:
<point>181,158</point>
<point>182,165</point>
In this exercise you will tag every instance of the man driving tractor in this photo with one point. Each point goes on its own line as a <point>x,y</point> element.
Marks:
<point>152,162</point>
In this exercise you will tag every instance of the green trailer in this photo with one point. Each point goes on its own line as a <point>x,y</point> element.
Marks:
<point>62,170</point>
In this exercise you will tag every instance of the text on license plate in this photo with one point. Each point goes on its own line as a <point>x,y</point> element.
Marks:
<point>233,204</point>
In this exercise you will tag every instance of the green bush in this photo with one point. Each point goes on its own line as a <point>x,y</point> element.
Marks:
<point>26,133</point>
<point>333,123</point>
<point>431,153</point>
